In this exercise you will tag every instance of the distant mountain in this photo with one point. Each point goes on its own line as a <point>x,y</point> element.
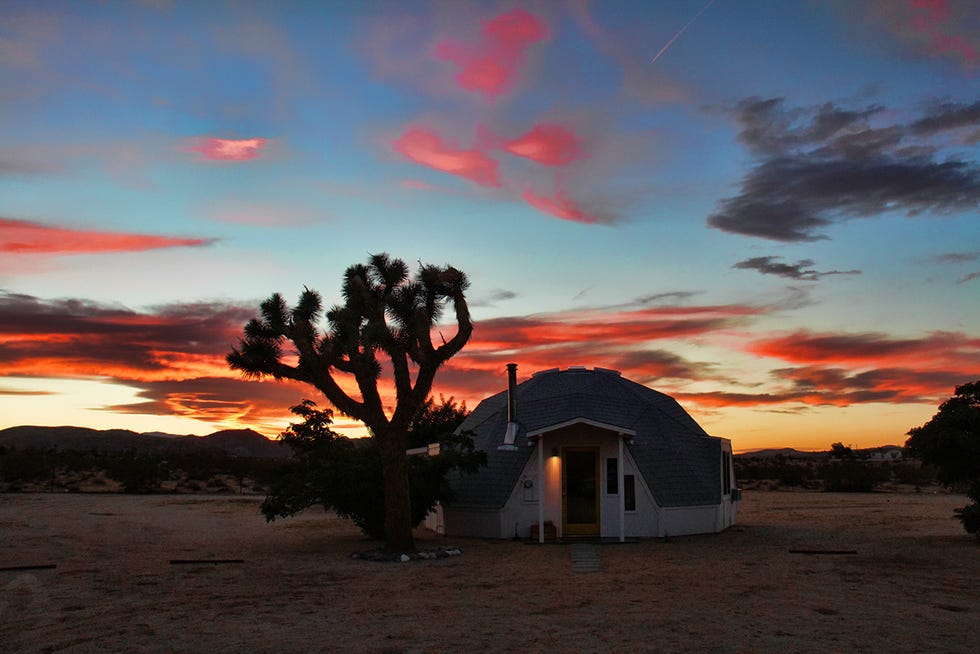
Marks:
<point>787,452</point>
<point>887,452</point>
<point>237,442</point>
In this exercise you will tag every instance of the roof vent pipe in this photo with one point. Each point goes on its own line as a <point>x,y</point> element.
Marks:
<point>511,392</point>
<point>510,436</point>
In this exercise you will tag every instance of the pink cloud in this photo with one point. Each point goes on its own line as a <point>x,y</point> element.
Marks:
<point>933,20</point>
<point>560,207</point>
<point>215,149</point>
<point>426,147</point>
<point>25,237</point>
<point>416,185</point>
<point>491,65</point>
<point>551,145</point>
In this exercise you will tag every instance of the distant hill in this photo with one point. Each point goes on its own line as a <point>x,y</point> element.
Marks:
<point>236,442</point>
<point>880,452</point>
<point>787,452</point>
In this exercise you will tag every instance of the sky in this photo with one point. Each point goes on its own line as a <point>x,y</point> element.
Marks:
<point>767,210</point>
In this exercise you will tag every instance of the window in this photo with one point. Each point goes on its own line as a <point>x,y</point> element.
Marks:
<point>726,473</point>
<point>629,492</point>
<point>612,477</point>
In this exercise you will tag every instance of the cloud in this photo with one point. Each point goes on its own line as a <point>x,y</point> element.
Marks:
<point>841,369</point>
<point>957,257</point>
<point>936,28</point>
<point>220,400</point>
<point>426,147</point>
<point>22,237</point>
<point>597,336</point>
<point>78,338</point>
<point>16,391</point>
<point>263,214</point>
<point>801,270</point>
<point>493,297</point>
<point>25,167</point>
<point>948,116</point>
<point>872,349</point>
<point>823,165</point>
<point>173,355</point>
<point>563,207</point>
<point>550,145</point>
<point>672,296</point>
<point>933,20</point>
<point>491,64</point>
<point>216,149</point>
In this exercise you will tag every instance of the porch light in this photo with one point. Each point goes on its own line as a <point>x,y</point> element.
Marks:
<point>554,451</point>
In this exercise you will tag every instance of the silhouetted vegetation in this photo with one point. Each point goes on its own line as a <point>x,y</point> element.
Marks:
<point>385,313</point>
<point>851,476</point>
<point>52,469</point>
<point>346,475</point>
<point>822,472</point>
<point>951,442</point>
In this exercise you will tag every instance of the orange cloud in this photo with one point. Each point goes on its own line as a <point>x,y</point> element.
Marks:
<point>551,145</point>
<point>491,65</point>
<point>215,149</point>
<point>426,147</point>
<point>174,357</point>
<point>561,207</point>
<point>870,349</point>
<point>25,237</point>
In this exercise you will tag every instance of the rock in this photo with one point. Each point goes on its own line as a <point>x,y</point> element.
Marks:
<point>404,558</point>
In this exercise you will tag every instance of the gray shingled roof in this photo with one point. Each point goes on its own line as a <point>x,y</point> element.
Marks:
<point>677,459</point>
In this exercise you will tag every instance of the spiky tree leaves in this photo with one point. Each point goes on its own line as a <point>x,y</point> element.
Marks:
<point>386,315</point>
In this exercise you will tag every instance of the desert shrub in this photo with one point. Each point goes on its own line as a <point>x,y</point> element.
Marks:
<point>792,475</point>
<point>912,472</point>
<point>346,474</point>
<point>853,476</point>
<point>137,474</point>
<point>783,471</point>
<point>29,464</point>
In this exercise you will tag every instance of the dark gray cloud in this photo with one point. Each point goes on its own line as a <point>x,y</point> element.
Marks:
<point>956,257</point>
<point>672,297</point>
<point>824,165</point>
<point>80,335</point>
<point>968,278</point>
<point>802,270</point>
<point>493,297</point>
<point>949,116</point>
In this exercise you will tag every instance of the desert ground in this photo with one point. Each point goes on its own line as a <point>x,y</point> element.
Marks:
<point>292,586</point>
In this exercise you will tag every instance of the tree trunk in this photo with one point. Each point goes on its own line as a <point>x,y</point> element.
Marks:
<point>398,508</point>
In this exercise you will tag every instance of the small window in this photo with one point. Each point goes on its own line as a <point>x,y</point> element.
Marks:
<point>612,477</point>
<point>726,473</point>
<point>629,492</point>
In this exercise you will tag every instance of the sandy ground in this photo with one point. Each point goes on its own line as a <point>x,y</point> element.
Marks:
<point>912,586</point>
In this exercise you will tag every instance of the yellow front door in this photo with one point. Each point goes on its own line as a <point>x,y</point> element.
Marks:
<point>580,491</point>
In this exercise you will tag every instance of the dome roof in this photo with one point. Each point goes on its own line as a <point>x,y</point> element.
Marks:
<point>678,460</point>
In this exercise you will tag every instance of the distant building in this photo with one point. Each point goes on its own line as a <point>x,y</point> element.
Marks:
<point>589,453</point>
<point>885,453</point>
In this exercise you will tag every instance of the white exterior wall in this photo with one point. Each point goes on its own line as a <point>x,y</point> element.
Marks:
<point>521,510</point>
<point>648,520</point>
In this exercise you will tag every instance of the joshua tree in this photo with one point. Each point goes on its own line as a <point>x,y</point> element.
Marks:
<point>384,312</point>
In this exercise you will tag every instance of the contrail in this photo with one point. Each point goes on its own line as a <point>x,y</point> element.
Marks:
<point>682,30</point>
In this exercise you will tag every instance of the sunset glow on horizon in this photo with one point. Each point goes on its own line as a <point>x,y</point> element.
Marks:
<point>773,220</point>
